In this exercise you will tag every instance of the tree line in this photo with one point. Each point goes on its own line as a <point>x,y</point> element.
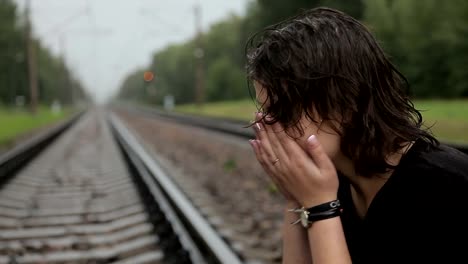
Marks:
<point>427,40</point>
<point>54,79</point>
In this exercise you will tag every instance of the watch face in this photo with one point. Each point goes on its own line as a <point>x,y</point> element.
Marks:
<point>304,218</point>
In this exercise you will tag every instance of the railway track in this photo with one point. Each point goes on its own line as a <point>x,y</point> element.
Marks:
<point>94,196</point>
<point>224,125</point>
<point>247,216</point>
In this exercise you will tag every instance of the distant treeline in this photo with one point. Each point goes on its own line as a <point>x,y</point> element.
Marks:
<point>427,40</point>
<point>55,82</point>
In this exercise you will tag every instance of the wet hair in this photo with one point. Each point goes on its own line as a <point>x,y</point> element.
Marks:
<point>325,64</point>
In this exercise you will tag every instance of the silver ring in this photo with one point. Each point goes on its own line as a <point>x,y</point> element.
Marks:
<point>274,162</point>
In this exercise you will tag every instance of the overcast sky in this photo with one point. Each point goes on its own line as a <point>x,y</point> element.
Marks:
<point>103,40</point>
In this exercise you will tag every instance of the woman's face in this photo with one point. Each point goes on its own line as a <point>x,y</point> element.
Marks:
<point>328,137</point>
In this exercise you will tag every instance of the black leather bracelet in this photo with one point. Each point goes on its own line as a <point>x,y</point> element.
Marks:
<point>314,217</point>
<point>335,204</point>
<point>316,213</point>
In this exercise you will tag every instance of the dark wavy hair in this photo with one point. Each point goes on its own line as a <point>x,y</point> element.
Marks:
<point>324,61</point>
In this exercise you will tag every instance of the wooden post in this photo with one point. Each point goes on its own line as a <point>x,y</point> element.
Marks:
<point>32,65</point>
<point>199,54</point>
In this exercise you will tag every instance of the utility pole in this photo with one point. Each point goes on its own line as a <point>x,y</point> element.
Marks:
<point>199,54</point>
<point>62,38</point>
<point>32,65</point>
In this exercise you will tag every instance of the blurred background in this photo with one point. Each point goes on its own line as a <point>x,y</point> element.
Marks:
<point>188,56</point>
<point>150,63</point>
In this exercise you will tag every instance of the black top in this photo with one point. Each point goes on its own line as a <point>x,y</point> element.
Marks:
<point>418,216</point>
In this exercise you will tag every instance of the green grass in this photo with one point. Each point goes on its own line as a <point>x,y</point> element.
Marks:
<point>241,110</point>
<point>15,123</point>
<point>448,119</point>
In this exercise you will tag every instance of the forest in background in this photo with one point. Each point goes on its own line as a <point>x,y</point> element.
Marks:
<point>55,81</point>
<point>427,40</point>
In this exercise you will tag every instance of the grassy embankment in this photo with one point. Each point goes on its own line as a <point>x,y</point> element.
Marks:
<point>448,119</point>
<point>16,123</point>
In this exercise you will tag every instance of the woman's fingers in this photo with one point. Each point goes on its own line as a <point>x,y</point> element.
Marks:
<point>305,171</point>
<point>267,168</point>
<point>272,132</point>
<point>276,149</point>
<point>290,147</point>
<point>269,154</point>
<point>318,155</point>
<point>267,151</point>
<point>259,153</point>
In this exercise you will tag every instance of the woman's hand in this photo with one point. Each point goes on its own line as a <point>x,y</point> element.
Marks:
<point>307,177</point>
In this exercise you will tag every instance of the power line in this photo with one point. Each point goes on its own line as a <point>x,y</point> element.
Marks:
<point>65,22</point>
<point>173,27</point>
<point>59,30</point>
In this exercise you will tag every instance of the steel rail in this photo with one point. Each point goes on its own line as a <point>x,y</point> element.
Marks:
<point>198,237</point>
<point>16,158</point>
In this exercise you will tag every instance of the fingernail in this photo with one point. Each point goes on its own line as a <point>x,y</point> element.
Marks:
<point>313,139</point>
<point>257,125</point>
<point>256,142</point>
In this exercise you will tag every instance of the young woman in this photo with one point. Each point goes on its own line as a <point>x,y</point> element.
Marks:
<point>340,138</point>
